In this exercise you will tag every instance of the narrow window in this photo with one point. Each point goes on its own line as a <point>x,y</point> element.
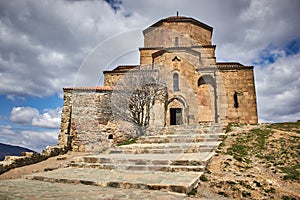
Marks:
<point>176,41</point>
<point>236,100</point>
<point>175,82</point>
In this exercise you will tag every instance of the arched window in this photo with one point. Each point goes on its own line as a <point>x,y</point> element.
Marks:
<point>175,82</point>
<point>176,41</point>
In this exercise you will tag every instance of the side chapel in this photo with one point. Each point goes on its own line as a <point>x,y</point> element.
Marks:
<point>200,89</point>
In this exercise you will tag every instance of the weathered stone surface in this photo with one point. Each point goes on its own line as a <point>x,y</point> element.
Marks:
<point>181,182</point>
<point>28,158</point>
<point>87,121</point>
<point>36,190</point>
<point>206,91</point>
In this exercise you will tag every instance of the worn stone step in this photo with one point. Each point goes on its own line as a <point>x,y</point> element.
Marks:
<point>180,138</point>
<point>194,149</point>
<point>189,159</point>
<point>121,167</point>
<point>166,146</point>
<point>185,131</point>
<point>205,128</point>
<point>180,182</point>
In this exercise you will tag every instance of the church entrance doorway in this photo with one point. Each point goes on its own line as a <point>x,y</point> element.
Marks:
<point>175,116</point>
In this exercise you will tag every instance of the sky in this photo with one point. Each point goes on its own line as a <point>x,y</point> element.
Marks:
<point>47,45</point>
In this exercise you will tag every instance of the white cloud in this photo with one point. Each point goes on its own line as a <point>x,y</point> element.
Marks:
<point>49,119</point>
<point>278,89</point>
<point>31,116</point>
<point>6,130</point>
<point>43,43</point>
<point>35,140</point>
<point>23,115</point>
<point>38,140</point>
<point>35,135</point>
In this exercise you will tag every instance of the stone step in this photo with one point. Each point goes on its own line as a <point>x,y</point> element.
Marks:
<point>180,138</point>
<point>189,159</point>
<point>180,182</point>
<point>171,147</point>
<point>197,129</point>
<point>183,131</point>
<point>166,148</point>
<point>127,167</point>
<point>161,150</point>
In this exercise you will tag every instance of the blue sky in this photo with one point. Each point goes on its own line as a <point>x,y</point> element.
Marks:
<point>46,45</point>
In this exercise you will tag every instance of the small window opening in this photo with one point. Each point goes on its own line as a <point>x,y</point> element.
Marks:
<point>236,100</point>
<point>175,82</point>
<point>176,41</point>
<point>110,137</point>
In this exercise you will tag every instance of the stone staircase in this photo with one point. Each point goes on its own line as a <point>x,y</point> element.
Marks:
<point>172,158</point>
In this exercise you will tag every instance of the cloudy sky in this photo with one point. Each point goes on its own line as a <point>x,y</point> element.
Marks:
<point>46,45</point>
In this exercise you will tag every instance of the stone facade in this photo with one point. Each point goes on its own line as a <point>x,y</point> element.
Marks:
<point>200,90</point>
<point>87,123</point>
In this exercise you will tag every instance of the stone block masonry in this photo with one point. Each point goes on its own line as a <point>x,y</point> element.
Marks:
<point>87,122</point>
<point>200,89</point>
<point>240,93</point>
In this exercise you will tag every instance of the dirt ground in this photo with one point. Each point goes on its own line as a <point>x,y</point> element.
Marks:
<point>258,175</point>
<point>49,164</point>
<point>255,176</point>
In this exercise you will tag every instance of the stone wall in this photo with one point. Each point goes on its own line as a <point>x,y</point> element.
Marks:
<point>87,121</point>
<point>188,34</point>
<point>111,79</point>
<point>241,83</point>
<point>28,158</point>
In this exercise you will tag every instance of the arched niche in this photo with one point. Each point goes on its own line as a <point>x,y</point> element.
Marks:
<point>207,99</point>
<point>177,111</point>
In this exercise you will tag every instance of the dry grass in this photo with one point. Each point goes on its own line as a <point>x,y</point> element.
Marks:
<point>257,162</point>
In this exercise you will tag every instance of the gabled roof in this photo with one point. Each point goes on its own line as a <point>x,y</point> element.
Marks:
<point>91,88</point>
<point>122,68</point>
<point>232,65</point>
<point>179,19</point>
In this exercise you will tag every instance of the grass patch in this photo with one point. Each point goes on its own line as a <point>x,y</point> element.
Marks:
<point>260,137</point>
<point>193,192</point>
<point>246,194</point>
<point>248,144</point>
<point>270,190</point>
<point>229,127</point>
<point>223,194</point>
<point>203,178</point>
<point>291,172</point>
<point>127,142</point>
<point>287,126</point>
<point>287,198</point>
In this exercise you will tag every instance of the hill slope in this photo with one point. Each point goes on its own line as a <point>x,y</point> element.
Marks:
<point>9,150</point>
<point>256,162</point>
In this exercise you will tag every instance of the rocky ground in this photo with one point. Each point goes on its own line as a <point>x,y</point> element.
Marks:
<point>253,162</point>
<point>47,165</point>
<point>256,162</point>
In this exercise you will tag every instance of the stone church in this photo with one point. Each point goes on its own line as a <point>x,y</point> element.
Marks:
<point>200,89</point>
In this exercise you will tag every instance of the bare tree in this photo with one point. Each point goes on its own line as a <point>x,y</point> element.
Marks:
<point>134,96</point>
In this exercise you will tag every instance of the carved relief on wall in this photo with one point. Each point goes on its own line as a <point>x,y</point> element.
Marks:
<point>176,63</point>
